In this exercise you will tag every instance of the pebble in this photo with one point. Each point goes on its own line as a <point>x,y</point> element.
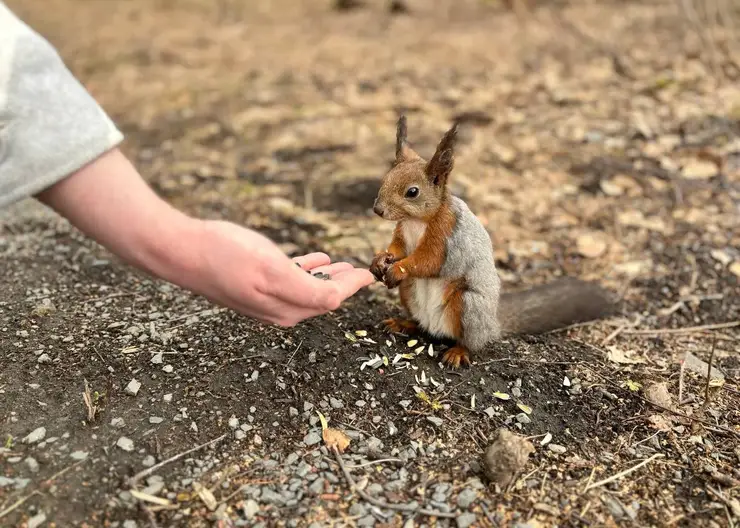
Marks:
<point>240,435</point>
<point>250,508</point>
<point>435,420</point>
<point>156,419</point>
<point>490,411</point>
<point>466,497</point>
<point>130,524</point>
<point>32,464</point>
<point>168,368</point>
<point>125,443</point>
<point>522,418</point>
<point>37,520</point>
<point>233,422</point>
<point>270,497</point>
<point>6,482</point>
<point>118,422</point>
<point>556,448</point>
<point>167,398</point>
<point>368,520</point>
<point>35,436</point>
<point>78,455</point>
<point>312,438</point>
<point>157,358</point>
<point>465,520</point>
<point>335,403</point>
<point>44,358</point>
<point>133,387</point>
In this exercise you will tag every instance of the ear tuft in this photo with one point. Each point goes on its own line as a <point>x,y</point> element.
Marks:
<point>440,166</point>
<point>403,151</point>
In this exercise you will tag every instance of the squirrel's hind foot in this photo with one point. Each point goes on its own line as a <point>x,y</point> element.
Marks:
<point>401,326</point>
<point>456,356</point>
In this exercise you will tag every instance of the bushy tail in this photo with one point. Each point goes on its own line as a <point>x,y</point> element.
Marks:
<point>552,306</point>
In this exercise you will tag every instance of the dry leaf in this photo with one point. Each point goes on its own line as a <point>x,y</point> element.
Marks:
<point>620,356</point>
<point>591,245</point>
<point>660,422</point>
<point>335,438</point>
<point>658,394</point>
<point>205,495</point>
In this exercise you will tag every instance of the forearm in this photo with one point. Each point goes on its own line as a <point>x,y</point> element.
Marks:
<point>111,203</point>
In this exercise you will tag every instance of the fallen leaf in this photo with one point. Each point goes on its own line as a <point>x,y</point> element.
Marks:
<point>633,385</point>
<point>660,422</point>
<point>335,438</point>
<point>620,356</point>
<point>658,394</point>
<point>699,170</point>
<point>322,419</point>
<point>591,245</point>
<point>205,495</point>
<point>695,364</point>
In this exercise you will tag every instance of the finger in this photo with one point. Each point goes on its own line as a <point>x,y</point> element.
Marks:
<point>333,269</point>
<point>313,260</point>
<point>350,281</point>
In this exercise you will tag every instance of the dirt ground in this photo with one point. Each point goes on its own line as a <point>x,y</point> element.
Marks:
<point>596,141</point>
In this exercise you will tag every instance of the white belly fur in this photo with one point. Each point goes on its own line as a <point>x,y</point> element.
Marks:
<point>427,295</point>
<point>427,306</point>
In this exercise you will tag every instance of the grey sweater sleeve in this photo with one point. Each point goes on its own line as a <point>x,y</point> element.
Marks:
<point>50,126</point>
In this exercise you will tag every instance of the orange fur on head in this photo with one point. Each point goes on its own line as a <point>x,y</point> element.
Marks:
<point>413,187</point>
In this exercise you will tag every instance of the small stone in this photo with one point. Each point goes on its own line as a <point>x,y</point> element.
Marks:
<point>490,412</point>
<point>312,438</point>
<point>168,368</point>
<point>130,524</point>
<point>250,508</point>
<point>257,440</point>
<point>368,520</point>
<point>78,455</point>
<point>6,482</point>
<point>33,466</point>
<point>360,403</point>
<point>148,461</point>
<point>133,387</point>
<point>436,420</point>
<point>522,418</point>
<point>156,419</point>
<point>35,436</point>
<point>37,520</point>
<point>125,443</point>
<point>466,497</point>
<point>44,358</point>
<point>233,422</point>
<point>516,392</point>
<point>556,448</point>
<point>335,403</point>
<point>240,435</point>
<point>357,510</point>
<point>194,427</point>
<point>293,411</point>
<point>157,358</point>
<point>118,422</point>
<point>167,398</point>
<point>465,520</point>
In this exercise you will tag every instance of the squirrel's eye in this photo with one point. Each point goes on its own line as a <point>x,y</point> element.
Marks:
<point>413,192</point>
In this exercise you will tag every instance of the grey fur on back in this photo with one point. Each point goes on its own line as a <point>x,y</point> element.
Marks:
<point>487,313</point>
<point>551,306</point>
<point>470,255</point>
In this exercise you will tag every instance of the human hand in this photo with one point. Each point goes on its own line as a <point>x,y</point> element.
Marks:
<point>228,264</point>
<point>247,272</point>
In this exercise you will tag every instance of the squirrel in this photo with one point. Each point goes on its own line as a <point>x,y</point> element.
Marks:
<point>441,259</point>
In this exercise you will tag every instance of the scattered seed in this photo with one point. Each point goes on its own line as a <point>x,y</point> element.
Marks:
<point>501,396</point>
<point>526,408</point>
<point>412,343</point>
<point>546,440</point>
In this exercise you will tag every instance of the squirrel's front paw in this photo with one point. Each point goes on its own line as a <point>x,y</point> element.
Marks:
<point>381,262</point>
<point>394,275</point>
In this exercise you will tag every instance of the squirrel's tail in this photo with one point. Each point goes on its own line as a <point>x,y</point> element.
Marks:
<point>552,306</point>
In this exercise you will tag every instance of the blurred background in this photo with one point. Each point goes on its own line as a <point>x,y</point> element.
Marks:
<point>598,137</point>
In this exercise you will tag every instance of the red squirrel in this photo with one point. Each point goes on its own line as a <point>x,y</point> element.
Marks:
<point>441,259</point>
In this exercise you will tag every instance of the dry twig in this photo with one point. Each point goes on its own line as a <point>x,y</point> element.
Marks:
<point>148,471</point>
<point>382,504</point>
<point>709,374</point>
<point>17,503</point>
<point>685,330</point>
<point>623,473</point>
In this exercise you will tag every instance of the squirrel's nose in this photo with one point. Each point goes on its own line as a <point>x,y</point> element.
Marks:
<point>378,209</point>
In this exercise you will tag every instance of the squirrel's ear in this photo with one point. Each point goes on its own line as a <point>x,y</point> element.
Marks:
<point>403,151</point>
<point>440,166</point>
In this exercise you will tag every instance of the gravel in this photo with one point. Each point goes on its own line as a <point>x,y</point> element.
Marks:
<point>465,520</point>
<point>312,438</point>
<point>133,387</point>
<point>35,436</point>
<point>466,497</point>
<point>125,443</point>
